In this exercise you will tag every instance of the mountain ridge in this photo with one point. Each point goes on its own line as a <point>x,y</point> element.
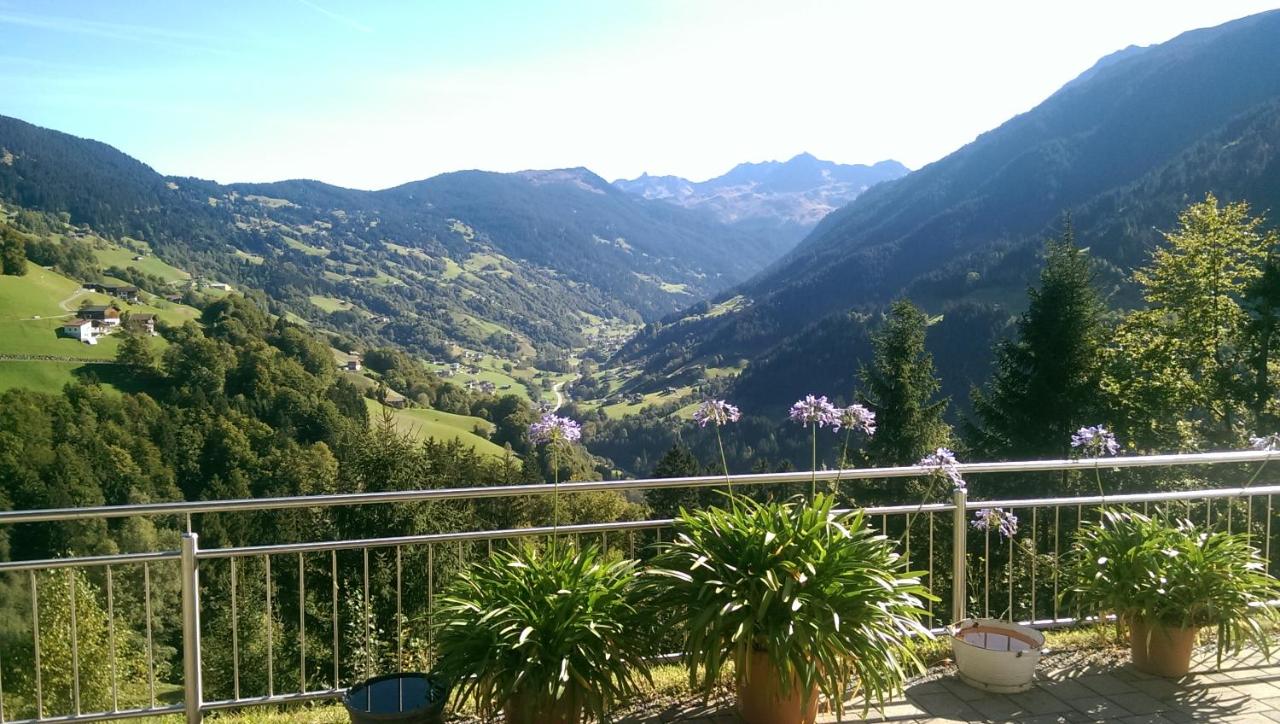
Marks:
<point>486,260</point>
<point>789,197</point>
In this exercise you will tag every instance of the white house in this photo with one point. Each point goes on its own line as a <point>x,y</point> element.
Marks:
<point>81,329</point>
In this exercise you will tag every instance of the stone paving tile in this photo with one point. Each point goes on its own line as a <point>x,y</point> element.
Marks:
<point>1099,707</point>
<point>1245,690</point>
<point>1039,701</point>
<point>1140,703</point>
<point>1106,684</point>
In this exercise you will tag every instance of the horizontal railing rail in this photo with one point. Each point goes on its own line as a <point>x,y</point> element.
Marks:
<point>508,491</point>
<point>983,574</point>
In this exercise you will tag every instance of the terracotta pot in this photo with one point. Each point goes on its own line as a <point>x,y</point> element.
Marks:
<point>1161,650</point>
<point>760,697</point>
<point>521,709</point>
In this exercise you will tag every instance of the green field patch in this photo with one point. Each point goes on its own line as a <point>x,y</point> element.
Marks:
<point>50,377</point>
<point>407,250</point>
<point>619,410</point>
<point>269,202</point>
<point>36,293</point>
<point>304,248</point>
<point>451,268</point>
<point>251,258</point>
<point>330,304</point>
<point>488,263</point>
<point>424,423</point>
<point>122,257</point>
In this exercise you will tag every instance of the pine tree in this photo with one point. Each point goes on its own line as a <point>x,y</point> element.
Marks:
<point>1262,303</point>
<point>1046,381</point>
<point>900,387</point>
<point>678,462</point>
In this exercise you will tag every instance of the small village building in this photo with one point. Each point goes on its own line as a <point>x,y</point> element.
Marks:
<point>142,322</point>
<point>82,330</point>
<point>127,292</point>
<point>105,316</point>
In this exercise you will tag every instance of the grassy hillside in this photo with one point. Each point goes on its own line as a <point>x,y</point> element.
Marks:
<point>33,308</point>
<point>425,423</point>
<point>118,256</point>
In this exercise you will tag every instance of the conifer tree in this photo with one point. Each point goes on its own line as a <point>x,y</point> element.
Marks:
<point>1046,381</point>
<point>900,387</point>
<point>678,462</point>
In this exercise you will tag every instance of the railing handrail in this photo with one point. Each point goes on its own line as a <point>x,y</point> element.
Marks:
<point>505,491</point>
<point>608,527</point>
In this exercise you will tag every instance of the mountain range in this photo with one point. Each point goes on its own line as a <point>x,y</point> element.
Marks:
<point>785,197</point>
<point>502,262</point>
<point>1122,148</point>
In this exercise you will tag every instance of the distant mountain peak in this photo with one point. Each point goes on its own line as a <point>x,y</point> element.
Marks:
<point>790,196</point>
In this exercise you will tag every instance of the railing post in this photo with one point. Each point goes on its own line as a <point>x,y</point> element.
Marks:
<point>192,688</point>
<point>959,556</point>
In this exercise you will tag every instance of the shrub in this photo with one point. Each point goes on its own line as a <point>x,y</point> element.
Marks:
<point>823,594</point>
<point>1174,573</point>
<point>553,628</point>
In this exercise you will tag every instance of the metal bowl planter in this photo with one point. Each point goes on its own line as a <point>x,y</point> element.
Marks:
<point>996,656</point>
<point>399,698</point>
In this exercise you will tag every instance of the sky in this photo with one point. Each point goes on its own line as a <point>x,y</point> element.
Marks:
<point>371,94</point>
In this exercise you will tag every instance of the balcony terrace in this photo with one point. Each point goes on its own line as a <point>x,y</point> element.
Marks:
<point>298,658</point>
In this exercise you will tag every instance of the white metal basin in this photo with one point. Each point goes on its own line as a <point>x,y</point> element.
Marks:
<point>996,656</point>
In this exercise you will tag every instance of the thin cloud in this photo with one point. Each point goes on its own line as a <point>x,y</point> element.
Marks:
<point>164,37</point>
<point>349,22</point>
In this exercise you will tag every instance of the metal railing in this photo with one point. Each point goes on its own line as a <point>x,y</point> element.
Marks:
<point>1026,581</point>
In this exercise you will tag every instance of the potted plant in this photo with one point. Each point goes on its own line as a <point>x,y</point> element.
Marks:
<point>802,601</point>
<point>546,635</point>
<point>1167,579</point>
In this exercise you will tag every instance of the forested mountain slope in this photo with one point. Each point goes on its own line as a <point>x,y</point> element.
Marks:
<point>1121,148</point>
<point>506,262</point>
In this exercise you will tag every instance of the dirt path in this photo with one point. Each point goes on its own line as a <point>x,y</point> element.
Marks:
<point>66,303</point>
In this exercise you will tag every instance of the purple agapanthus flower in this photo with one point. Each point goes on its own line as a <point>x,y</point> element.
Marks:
<point>999,519</point>
<point>1095,441</point>
<point>1267,442</point>
<point>716,411</point>
<point>943,462</point>
<point>815,411</point>
<point>857,418</point>
<point>554,430</point>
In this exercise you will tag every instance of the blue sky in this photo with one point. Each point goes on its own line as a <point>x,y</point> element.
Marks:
<point>372,94</point>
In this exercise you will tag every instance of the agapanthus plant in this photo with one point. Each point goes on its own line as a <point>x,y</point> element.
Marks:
<point>556,433</point>
<point>1095,441</point>
<point>943,464</point>
<point>997,519</point>
<point>1268,443</point>
<point>815,412</point>
<point>854,418</point>
<point>718,413</point>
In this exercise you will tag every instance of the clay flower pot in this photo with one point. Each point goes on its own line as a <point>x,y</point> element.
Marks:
<point>520,709</point>
<point>1161,650</point>
<point>761,700</point>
